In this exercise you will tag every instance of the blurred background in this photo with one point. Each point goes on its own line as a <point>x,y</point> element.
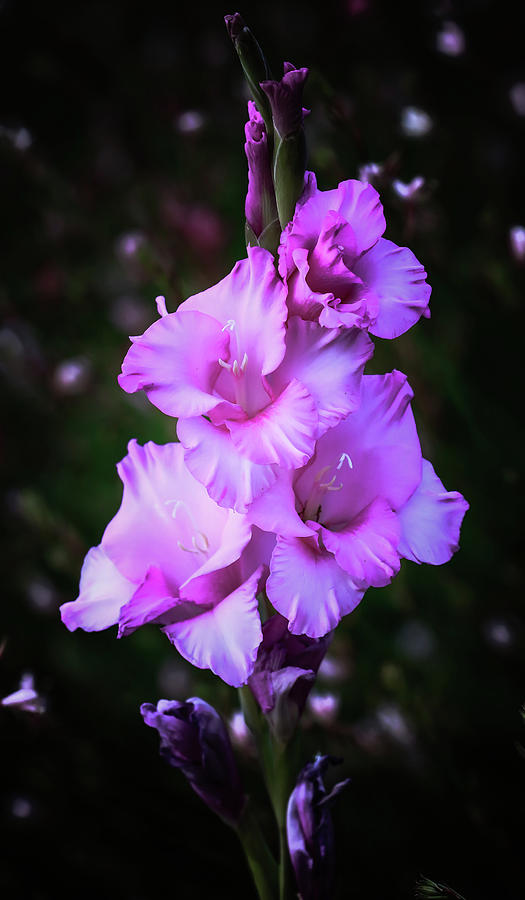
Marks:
<point>122,177</point>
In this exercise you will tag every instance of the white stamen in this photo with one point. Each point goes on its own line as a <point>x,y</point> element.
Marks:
<point>199,541</point>
<point>244,362</point>
<point>340,248</point>
<point>181,546</point>
<point>334,487</point>
<point>180,504</point>
<point>229,326</point>
<point>327,484</point>
<point>204,540</point>
<point>176,506</point>
<point>236,368</point>
<point>161,305</point>
<point>224,364</point>
<point>345,456</point>
<point>204,544</point>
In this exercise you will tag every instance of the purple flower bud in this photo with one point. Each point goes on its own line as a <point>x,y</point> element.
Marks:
<point>284,674</point>
<point>252,60</point>
<point>193,738</point>
<point>285,98</point>
<point>260,208</point>
<point>235,25</point>
<point>310,830</point>
<point>289,152</point>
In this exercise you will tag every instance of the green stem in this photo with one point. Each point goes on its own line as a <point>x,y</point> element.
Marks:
<point>283,863</point>
<point>278,781</point>
<point>277,763</point>
<point>260,860</point>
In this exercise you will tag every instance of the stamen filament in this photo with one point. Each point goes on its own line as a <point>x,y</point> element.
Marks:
<point>181,546</point>
<point>345,456</point>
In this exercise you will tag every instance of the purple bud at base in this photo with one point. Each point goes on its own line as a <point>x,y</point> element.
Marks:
<point>193,738</point>
<point>310,830</point>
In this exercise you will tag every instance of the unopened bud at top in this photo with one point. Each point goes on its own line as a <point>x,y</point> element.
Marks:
<point>252,61</point>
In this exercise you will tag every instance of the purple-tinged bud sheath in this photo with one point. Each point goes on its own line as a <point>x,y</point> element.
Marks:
<point>310,830</point>
<point>284,674</point>
<point>289,151</point>
<point>193,738</point>
<point>286,100</point>
<point>261,209</point>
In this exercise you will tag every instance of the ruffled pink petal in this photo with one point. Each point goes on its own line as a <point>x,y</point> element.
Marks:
<point>224,639</point>
<point>431,521</point>
<point>258,553</point>
<point>336,241</point>
<point>309,588</point>
<point>176,362</point>
<point>303,300</point>
<point>399,281</point>
<point>103,591</point>
<point>346,301</point>
<point>374,452</point>
<point>283,433</point>
<point>361,207</point>
<point>167,519</point>
<point>235,534</point>
<point>150,521</point>
<point>275,510</point>
<point>358,313</point>
<point>152,599</point>
<point>209,589</point>
<point>367,547</point>
<point>357,203</point>
<point>252,297</point>
<point>329,363</point>
<point>230,478</point>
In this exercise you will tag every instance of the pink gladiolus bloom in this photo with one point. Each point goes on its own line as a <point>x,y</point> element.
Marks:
<point>364,501</point>
<point>252,393</point>
<point>341,272</point>
<point>172,557</point>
